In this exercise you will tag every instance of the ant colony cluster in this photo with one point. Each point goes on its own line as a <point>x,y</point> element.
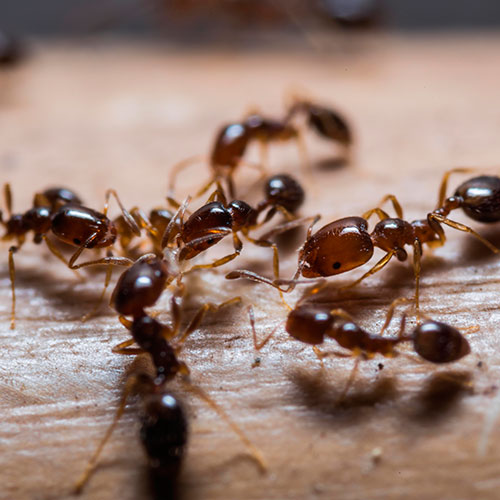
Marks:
<point>159,250</point>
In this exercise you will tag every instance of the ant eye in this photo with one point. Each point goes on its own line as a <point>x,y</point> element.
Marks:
<point>76,241</point>
<point>336,265</point>
<point>211,241</point>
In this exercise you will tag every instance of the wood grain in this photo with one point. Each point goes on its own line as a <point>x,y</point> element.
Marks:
<point>118,115</point>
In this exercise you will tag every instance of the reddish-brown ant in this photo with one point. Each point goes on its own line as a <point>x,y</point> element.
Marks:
<point>153,337</point>
<point>310,323</point>
<point>231,144</point>
<point>346,244</point>
<point>71,223</point>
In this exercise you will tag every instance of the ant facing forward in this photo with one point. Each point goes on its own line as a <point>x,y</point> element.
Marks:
<point>58,211</point>
<point>346,244</point>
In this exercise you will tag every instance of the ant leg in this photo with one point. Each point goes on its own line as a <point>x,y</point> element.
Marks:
<point>12,275</point>
<point>198,317</point>
<point>55,251</point>
<point>253,450</point>
<point>390,312</point>
<point>218,194</point>
<point>350,380</point>
<point>276,262</point>
<point>464,228</point>
<point>223,260</point>
<point>179,166</point>
<point>444,182</point>
<point>7,194</point>
<point>144,221</point>
<point>92,463</point>
<point>107,279</point>
<point>126,214</point>
<point>377,267</point>
<point>382,213</point>
<point>417,268</point>
<point>124,348</point>
<point>258,346</point>
<point>179,215</point>
<point>286,226</point>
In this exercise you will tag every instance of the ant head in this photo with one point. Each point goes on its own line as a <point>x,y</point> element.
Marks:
<point>309,324</point>
<point>284,190</point>
<point>439,343</point>
<point>336,248</point>
<point>243,214</point>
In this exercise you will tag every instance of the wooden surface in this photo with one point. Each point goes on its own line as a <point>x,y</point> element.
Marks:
<point>118,115</point>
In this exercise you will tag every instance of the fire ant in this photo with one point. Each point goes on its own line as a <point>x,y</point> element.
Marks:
<point>346,244</point>
<point>230,146</point>
<point>58,211</point>
<point>310,323</point>
<point>153,338</point>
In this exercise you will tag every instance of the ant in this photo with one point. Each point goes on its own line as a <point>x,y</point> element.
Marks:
<point>153,338</point>
<point>346,244</point>
<point>217,219</point>
<point>310,323</point>
<point>58,211</point>
<point>230,146</point>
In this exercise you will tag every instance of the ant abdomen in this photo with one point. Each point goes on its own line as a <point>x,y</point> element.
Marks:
<point>329,124</point>
<point>309,324</point>
<point>164,435</point>
<point>480,198</point>
<point>55,198</point>
<point>439,343</point>
<point>140,286</point>
<point>285,191</point>
<point>336,248</point>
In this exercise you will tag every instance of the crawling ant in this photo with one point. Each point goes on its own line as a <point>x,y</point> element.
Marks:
<point>230,146</point>
<point>58,211</point>
<point>310,323</point>
<point>153,338</point>
<point>346,244</point>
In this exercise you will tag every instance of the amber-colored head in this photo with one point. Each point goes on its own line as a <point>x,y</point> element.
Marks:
<point>139,287</point>
<point>77,225</point>
<point>439,343</point>
<point>285,191</point>
<point>309,323</point>
<point>480,198</point>
<point>336,248</point>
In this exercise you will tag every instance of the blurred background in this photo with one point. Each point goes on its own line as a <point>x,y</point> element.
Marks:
<point>248,20</point>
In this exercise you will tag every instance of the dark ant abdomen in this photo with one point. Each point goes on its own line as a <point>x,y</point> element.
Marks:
<point>481,198</point>
<point>439,343</point>
<point>329,124</point>
<point>336,248</point>
<point>139,286</point>
<point>55,198</point>
<point>164,435</point>
<point>76,224</point>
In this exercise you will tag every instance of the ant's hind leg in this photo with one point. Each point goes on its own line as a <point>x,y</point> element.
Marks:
<point>12,275</point>
<point>258,345</point>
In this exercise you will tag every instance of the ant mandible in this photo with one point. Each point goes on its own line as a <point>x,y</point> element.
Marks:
<point>58,211</point>
<point>346,244</point>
